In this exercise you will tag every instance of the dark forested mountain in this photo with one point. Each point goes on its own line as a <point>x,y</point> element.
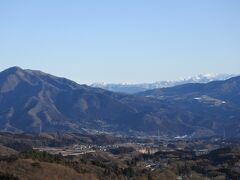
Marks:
<point>34,101</point>
<point>220,92</point>
<point>215,105</point>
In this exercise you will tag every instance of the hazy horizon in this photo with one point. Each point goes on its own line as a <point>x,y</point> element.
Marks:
<point>222,76</point>
<point>121,41</point>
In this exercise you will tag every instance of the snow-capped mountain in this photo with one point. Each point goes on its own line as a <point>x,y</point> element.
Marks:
<point>135,88</point>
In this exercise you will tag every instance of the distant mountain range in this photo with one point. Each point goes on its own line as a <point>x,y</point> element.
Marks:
<point>33,101</point>
<point>135,88</point>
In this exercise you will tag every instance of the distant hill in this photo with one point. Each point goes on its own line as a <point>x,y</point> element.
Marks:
<point>135,88</point>
<point>33,101</point>
<point>214,105</point>
<point>228,91</point>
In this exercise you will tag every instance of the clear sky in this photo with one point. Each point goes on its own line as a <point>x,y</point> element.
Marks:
<point>121,40</point>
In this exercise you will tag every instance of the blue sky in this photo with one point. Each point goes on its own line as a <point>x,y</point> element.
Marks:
<point>121,40</point>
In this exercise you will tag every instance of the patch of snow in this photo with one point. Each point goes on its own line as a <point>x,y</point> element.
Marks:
<point>181,137</point>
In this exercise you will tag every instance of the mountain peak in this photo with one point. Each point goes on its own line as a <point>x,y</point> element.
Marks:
<point>14,69</point>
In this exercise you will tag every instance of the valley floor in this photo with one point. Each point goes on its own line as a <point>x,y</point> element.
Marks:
<point>76,156</point>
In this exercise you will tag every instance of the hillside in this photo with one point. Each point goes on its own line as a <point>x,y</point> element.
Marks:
<point>228,90</point>
<point>214,105</point>
<point>33,101</point>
